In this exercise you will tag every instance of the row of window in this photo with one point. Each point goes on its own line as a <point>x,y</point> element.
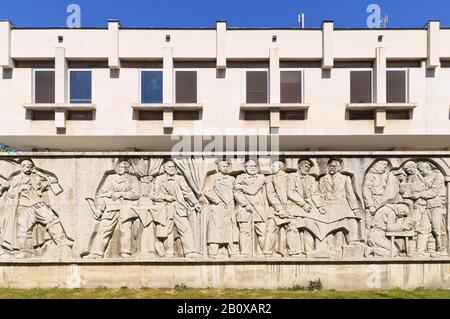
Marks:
<point>151,86</point>
<point>361,86</point>
<point>257,81</point>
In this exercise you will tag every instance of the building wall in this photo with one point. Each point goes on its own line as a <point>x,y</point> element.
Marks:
<point>221,89</point>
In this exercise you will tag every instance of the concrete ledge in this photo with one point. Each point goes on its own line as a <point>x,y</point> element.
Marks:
<point>269,275</point>
<point>58,106</point>
<point>167,106</point>
<point>385,106</point>
<point>279,106</point>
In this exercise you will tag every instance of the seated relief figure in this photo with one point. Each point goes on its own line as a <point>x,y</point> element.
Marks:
<point>386,211</point>
<point>174,201</point>
<point>28,220</point>
<point>222,229</point>
<point>278,218</point>
<point>117,203</point>
<point>251,200</point>
<point>342,210</point>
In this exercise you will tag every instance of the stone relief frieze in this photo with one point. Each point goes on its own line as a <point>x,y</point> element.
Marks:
<point>305,208</point>
<point>29,223</point>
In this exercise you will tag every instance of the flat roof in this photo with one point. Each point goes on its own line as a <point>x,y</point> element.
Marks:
<point>213,28</point>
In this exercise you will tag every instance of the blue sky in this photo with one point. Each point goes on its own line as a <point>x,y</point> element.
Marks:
<point>238,13</point>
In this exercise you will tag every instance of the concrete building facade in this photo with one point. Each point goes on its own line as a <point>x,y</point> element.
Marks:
<point>337,154</point>
<point>399,79</point>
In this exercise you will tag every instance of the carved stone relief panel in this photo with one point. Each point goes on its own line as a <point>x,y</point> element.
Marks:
<point>144,208</point>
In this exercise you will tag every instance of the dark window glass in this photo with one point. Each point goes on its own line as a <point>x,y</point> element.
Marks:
<point>80,116</point>
<point>398,115</point>
<point>396,86</point>
<point>361,115</point>
<point>360,87</point>
<point>151,87</point>
<point>256,87</point>
<point>44,86</point>
<point>150,115</point>
<point>291,87</point>
<point>43,116</point>
<point>257,116</point>
<point>80,87</point>
<point>186,87</point>
<point>292,115</point>
<point>186,115</point>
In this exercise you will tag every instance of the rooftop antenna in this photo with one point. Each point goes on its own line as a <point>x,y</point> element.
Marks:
<point>384,21</point>
<point>301,20</point>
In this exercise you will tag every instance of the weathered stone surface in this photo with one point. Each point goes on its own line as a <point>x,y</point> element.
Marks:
<point>272,274</point>
<point>132,207</point>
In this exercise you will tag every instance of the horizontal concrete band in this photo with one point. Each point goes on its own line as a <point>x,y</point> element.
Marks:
<point>270,275</point>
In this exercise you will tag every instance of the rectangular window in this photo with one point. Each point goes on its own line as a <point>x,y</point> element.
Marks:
<point>80,86</point>
<point>43,115</point>
<point>293,115</point>
<point>361,86</point>
<point>80,116</point>
<point>361,115</point>
<point>257,116</point>
<point>291,86</point>
<point>396,86</point>
<point>151,86</point>
<point>186,115</point>
<point>186,86</point>
<point>256,88</point>
<point>150,115</point>
<point>398,115</point>
<point>44,86</point>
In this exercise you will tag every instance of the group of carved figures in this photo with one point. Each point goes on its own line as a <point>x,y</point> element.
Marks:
<point>402,212</point>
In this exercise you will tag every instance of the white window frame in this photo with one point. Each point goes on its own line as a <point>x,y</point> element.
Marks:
<point>406,70</point>
<point>140,83</point>
<point>302,86</point>
<point>174,76</point>
<point>267,70</point>
<point>68,85</point>
<point>33,84</point>
<point>372,82</point>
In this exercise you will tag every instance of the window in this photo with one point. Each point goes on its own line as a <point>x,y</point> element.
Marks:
<point>151,86</point>
<point>291,86</point>
<point>396,86</point>
<point>80,86</point>
<point>186,86</point>
<point>256,88</point>
<point>80,116</point>
<point>43,115</point>
<point>361,115</point>
<point>398,115</point>
<point>186,115</point>
<point>361,86</point>
<point>257,116</point>
<point>150,115</point>
<point>293,115</point>
<point>44,86</point>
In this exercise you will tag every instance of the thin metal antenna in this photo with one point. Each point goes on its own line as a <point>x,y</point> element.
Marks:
<point>384,21</point>
<point>301,20</point>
